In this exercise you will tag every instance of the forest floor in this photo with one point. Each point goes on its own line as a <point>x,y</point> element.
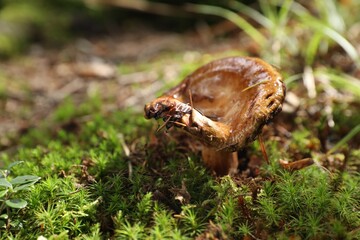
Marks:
<point>75,117</point>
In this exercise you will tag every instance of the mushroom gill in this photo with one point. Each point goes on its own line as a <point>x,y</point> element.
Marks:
<point>224,104</point>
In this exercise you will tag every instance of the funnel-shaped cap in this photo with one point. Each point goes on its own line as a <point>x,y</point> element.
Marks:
<point>224,104</point>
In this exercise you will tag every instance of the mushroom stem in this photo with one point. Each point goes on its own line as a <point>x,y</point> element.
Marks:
<point>221,162</point>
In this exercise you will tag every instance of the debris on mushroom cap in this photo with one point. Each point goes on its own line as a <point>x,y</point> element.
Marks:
<point>224,104</point>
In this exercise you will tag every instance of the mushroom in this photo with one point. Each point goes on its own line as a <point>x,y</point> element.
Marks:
<point>224,104</point>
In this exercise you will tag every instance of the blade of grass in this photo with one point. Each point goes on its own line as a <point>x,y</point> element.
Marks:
<point>252,13</point>
<point>341,81</point>
<point>311,49</point>
<point>293,78</point>
<point>268,10</point>
<point>284,12</point>
<point>345,139</point>
<point>318,25</point>
<point>334,35</point>
<point>256,35</point>
<point>330,10</point>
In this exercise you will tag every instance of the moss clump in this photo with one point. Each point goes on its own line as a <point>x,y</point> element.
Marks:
<point>91,189</point>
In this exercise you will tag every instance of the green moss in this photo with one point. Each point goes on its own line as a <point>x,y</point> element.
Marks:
<point>304,204</point>
<point>57,206</point>
<point>90,188</point>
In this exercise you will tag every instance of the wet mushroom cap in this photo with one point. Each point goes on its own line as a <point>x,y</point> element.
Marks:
<point>233,98</point>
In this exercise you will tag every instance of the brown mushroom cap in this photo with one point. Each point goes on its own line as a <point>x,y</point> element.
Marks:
<point>241,93</point>
<point>224,104</point>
